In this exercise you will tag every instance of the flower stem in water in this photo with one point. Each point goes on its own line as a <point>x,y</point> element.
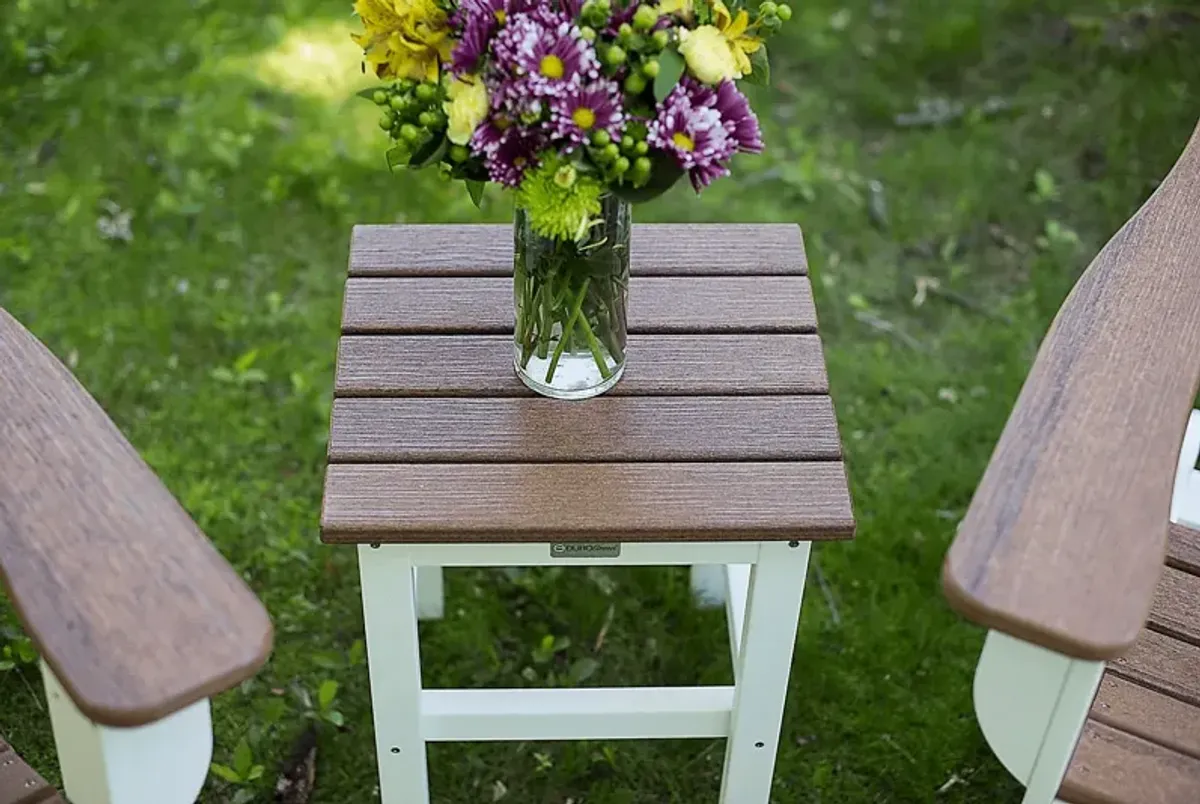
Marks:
<point>568,331</point>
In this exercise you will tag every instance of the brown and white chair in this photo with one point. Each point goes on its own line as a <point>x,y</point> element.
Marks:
<point>1079,551</point>
<point>138,619</point>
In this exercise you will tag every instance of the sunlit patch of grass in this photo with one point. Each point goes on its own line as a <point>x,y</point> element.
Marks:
<point>319,62</point>
<point>316,60</point>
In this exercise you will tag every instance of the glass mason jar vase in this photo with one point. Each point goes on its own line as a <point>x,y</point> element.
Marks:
<point>571,297</point>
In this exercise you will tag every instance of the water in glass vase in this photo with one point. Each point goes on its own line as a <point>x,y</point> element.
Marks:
<point>570,297</point>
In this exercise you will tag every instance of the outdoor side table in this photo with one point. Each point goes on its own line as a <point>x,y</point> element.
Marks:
<point>719,448</point>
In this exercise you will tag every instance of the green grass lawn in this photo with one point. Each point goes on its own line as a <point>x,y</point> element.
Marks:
<point>178,180</point>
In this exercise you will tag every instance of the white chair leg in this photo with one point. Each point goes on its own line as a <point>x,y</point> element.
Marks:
<point>763,667</point>
<point>1066,723</point>
<point>708,585</point>
<point>165,762</point>
<point>431,594</point>
<point>1031,704</point>
<point>1185,502</point>
<point>394,661</point>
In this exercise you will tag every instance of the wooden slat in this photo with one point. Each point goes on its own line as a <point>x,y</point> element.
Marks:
<point>1162,663</point>
<point>1063,543</point>
<point>1151,715</point>
<point>1112,767</point>
<point>484,305</point>
<point>586,502</point>
<point>601,430</point>
<point>421,365</point>
<point>1176,610</point>
<point>127,601</point>
<point>1183,549</point>
<point>21,784</point>
<point>655,250</point>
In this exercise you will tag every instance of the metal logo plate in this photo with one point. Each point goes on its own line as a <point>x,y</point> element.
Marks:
<point>585,550</point>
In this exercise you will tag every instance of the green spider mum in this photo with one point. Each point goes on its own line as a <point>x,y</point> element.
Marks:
<point>561,202</point>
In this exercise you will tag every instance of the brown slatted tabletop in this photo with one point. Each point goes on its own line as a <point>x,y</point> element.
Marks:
<point>721,428</point>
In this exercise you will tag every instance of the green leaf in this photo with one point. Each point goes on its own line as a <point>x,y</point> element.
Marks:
<point>272,710</point>
<point>663,176</point>
<point>398,156</point>
<point>544,652</point>
<point>369,93</point>
<point>243,363</point>
<point>26,653</point>
<point>244,796</point>
<point>429,153</point>
<point>358,653</point>
<point>475,188</point>
<point>760,68</point>
<point>326,660</point>
<point>335,717</point>
<point>255,773</point>
<point>583,669</point>
<point>670,70</point>
<point>243,758</point>
<point>326,694</point>
<point>300,383</point>
<point>254,376</point>
<point>6,665</point>
<point>225,772</point>
<point>1044,185</point>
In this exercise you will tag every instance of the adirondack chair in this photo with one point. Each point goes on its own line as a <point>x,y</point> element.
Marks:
<point>138,619</point>
<point>1088,686</point>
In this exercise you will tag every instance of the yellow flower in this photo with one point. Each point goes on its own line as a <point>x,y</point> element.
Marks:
<point>708,55</point>
<point>734,29</point>
<point>404,38</point>
<point>466,108</point>
<point>683,8</point>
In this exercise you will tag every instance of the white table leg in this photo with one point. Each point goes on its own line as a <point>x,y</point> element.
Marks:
<point>394,659</point>
<point>431,594</point>
<point>763,668</point>
<point>708,585</point>
<point>165,762</point>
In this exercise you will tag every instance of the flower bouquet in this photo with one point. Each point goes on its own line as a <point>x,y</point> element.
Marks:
<point>581,108</point>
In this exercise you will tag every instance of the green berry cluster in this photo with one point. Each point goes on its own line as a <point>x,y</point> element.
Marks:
<point>624,161</point>
<point>412,112</point>
<point>632,54</point>
<point>771,15</point>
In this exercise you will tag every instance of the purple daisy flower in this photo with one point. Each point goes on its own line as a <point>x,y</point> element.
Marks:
<point>477,21</point>
<point>545,52</point>
<point>738,118</point>
<point>584,109</point>
<point>703,128</point>
<point>507,152</point>
<point>572,8</point>
<point>489,135</point>
<point>472,44</point>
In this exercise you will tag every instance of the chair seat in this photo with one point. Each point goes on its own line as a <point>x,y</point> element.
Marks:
<point>1141,742</point>
<point>20,784</point>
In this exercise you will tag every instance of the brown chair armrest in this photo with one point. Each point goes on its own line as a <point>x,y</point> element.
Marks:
<point>130,605</point>
<point>1064,541</point>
